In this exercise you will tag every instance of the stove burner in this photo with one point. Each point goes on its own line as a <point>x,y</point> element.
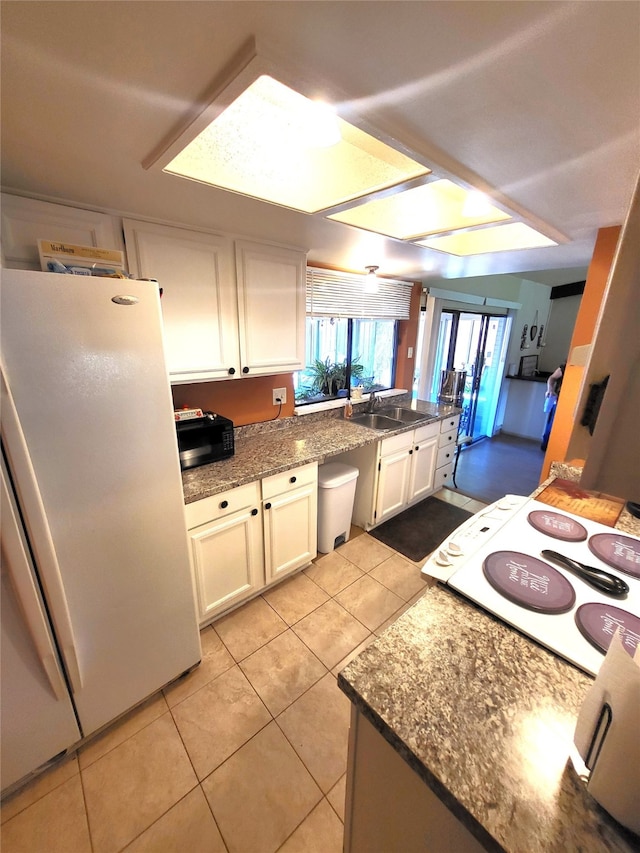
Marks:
<point>557,525</point>
<point>529,582</point>
<point>618,551</point>
<point>598,623</point>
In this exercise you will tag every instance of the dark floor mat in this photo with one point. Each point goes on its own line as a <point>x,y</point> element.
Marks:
<point>421,528</point>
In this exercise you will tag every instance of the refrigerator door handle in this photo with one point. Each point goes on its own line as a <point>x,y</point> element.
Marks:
<point>17,564</point>
<point>38,529</point>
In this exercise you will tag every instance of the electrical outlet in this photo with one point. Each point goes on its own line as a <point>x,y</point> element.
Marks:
<point>279,396</point>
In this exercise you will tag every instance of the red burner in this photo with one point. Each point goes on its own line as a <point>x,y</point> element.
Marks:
<point>529,582</point>
<point>557,525</point>
<point>598,623</point>
<point>618,551</point>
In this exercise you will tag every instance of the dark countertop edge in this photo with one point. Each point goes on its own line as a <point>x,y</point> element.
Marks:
<point>528,378</point>
<point>412,760</point>
<point>244,444</point>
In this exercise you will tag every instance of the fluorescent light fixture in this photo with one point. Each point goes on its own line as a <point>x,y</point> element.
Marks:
<point>261,138</point>
<point>428,209</point>
<point>499,238</point>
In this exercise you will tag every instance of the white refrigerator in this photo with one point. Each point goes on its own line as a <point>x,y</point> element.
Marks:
<point>97,602</point>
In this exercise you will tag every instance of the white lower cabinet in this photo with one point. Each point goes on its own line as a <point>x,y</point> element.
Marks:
<point>250,537</point>
<point>290,516</point>
<point>395,473</point>
<point>446,452</point>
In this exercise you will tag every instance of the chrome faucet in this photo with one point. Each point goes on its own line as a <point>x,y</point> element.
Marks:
<point>373,402</point>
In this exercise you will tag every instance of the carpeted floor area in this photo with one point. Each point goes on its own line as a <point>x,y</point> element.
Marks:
<point>421,528</point>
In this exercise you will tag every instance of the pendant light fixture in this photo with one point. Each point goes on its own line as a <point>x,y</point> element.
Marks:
<point>370,280</point>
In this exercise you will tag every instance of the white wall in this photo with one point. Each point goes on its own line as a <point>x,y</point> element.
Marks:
<point>557,335</point>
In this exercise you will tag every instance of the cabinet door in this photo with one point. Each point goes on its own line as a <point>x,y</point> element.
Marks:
<point>271,308</point>
<point>423,463</point>
<point>27,220</point>
<point>393,484</point>
<point>195,272</point>
<point>290,531</point>
<point>227,561</point>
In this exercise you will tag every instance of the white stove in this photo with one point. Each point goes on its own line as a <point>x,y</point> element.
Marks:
<point>495,560</point>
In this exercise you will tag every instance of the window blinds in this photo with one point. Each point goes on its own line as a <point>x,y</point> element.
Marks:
<point>331,293</point>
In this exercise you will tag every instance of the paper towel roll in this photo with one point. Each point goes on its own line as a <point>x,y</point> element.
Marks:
<point>607,734</point>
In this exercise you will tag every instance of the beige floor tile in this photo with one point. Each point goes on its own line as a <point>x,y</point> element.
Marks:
<point>249,628</point>
<point>455,498</point>
<point>321,832</point>
<point>294,598</point>
<point>261,794</point>
<point>188,826</point>
<point>55,823</point>
<point>135,784</point>
<point>333,572</point>
<point>218,719</point>
<point>330,632</point>
<point>122,729</point>
<point>353,654</point>
<point>475,506</point>
<point>216,659</point>
<point>369,601</point>
<point>282,670</point>
<point>337,795</point>
<point>365,552</point>
<point>400,576</point>
<point>317,726</point>
<point>48,780</point>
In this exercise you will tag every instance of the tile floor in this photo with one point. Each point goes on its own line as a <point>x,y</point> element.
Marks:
<point>248,753</point>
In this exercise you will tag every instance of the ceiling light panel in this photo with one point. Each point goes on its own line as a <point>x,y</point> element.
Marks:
<point>274,144</point>
<point>428,209</point>
<point>501,238</point>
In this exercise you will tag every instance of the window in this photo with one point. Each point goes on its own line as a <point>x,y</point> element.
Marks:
<point>342,353</point>
<point>351,335</point>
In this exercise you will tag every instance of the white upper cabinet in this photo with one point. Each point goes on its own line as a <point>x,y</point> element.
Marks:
<point>199,309</point>
<point>271,308</point>
<point>27,220</point>
<point>230,309</point>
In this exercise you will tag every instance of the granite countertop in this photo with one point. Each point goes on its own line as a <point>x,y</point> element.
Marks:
<point>280,446</point>
<point>486,718</point>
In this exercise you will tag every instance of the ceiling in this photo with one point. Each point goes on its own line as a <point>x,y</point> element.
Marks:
<point>537,103</point>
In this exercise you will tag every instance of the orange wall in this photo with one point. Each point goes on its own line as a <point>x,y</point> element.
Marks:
<point>246,401</point>
<point>407,337</point>
<point>583,332</point>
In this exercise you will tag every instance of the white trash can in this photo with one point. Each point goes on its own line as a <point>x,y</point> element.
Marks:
<point>336,492</point>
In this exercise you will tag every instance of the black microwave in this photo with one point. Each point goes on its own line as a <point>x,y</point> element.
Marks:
<point>203,440</point>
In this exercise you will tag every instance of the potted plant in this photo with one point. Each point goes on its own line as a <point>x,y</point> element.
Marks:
<point>330,378</point>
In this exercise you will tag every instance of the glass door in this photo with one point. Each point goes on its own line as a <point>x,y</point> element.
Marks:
<point>477,344</point>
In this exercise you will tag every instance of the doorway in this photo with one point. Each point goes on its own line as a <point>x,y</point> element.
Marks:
<point>475,342</point>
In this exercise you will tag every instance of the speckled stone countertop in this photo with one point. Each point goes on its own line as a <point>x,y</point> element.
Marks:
<point>486,718</point>
<point>279,446</point>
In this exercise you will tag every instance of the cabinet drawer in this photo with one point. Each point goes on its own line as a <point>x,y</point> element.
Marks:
<point>224,503</point>
<point>449,423</point>
<point>426,431</point>
<point>286,481</point>
<point>448,438</point>
<point>445,455</point>
<point>443,476</point>
<point>395,443</point>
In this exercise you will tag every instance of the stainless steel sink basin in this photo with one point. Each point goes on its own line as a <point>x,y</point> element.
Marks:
<point>376,421</point>
<point>407,416</point>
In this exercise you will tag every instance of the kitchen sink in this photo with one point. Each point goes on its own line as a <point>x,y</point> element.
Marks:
<point>407,416</point>
<point>375,421</point>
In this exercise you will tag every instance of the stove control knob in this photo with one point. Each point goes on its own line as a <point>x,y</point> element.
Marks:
<point>442,559</point>
<point>454,549</point>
